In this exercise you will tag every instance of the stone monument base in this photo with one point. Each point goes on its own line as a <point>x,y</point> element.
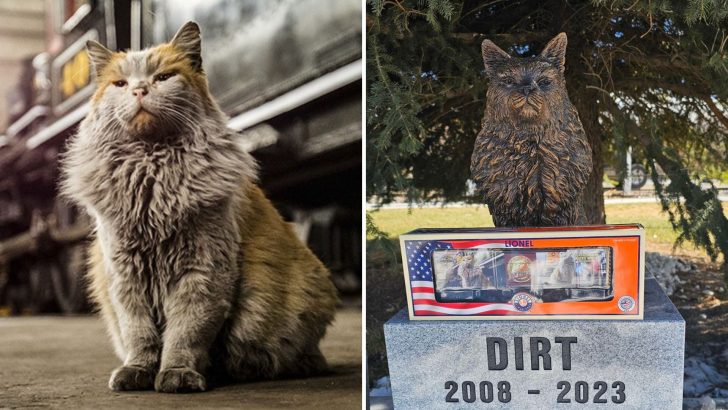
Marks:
<point>540,364</point>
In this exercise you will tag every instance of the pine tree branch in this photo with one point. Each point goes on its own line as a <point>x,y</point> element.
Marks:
<point>696,199</point>
<point>626,84</point>
<point>704,95</point>
<point>509,38</point>
<point>716,111</point>
<point>384,79</point>
<point>654,60</point>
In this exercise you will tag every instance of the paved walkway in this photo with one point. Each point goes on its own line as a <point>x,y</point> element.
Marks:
<point>65,362</point>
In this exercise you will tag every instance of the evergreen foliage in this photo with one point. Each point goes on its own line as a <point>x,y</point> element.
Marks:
<point>650,74</point>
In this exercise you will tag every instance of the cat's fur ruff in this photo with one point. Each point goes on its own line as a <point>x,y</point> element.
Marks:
<point>532,159</point>
<point>192,268</point>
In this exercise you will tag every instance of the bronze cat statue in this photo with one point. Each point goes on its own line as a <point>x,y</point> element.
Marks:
<point>532,159</point>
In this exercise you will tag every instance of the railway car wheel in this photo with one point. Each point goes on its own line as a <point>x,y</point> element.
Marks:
<point>40,291</point>
<point>68,268</point>
<point>67,276</point>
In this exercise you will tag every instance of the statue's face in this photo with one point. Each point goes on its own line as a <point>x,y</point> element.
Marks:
<point>526,89</point>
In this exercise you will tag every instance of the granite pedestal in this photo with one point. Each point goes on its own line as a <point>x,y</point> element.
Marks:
<point>540,364</point>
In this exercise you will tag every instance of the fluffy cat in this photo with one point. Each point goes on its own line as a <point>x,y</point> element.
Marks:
<point>532,159</point>
<point>192,268</point>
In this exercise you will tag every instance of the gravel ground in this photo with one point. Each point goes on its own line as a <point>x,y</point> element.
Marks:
<point>65,362</point>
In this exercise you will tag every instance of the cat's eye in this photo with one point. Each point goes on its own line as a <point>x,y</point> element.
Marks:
<point>163,76</point>
<point>119,83</point>
<point>509,80</point>
<point>544,82</point>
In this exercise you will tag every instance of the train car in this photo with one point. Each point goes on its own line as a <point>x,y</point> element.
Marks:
<point>288,74</point>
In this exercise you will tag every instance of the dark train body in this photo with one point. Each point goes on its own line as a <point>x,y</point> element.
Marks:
<point>288,73</point>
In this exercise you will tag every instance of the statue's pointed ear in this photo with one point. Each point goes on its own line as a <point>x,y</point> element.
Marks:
<point>99,55</point>
<point>188,41</point>
<point>555,50</point>
<point>492,56</point>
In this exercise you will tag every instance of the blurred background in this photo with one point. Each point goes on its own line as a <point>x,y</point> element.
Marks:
<point>288,75</point>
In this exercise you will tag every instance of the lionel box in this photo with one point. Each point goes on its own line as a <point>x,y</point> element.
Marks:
<point>575,272</point>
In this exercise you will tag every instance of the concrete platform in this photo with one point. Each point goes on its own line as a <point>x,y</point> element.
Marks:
<point>65,362</point>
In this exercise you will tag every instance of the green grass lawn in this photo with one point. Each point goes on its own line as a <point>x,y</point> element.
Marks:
<point>660,236</point>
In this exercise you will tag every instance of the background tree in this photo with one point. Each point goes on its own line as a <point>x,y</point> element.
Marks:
<point>643,73</point>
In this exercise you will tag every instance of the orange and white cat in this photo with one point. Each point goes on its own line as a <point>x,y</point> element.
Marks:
<point>192,268</point>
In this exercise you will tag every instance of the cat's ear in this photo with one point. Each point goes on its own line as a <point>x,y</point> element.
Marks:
<point>99,55</point>
<point>492,56</point>
<point>555,50</point>
<point>188,41</point>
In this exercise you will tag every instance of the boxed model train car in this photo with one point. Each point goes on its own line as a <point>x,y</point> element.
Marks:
<point>578,272</point>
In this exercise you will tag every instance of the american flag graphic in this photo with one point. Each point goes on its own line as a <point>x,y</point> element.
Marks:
<point>419,263</point>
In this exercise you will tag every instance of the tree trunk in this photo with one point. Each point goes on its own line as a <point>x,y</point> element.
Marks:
<point>585,101</point>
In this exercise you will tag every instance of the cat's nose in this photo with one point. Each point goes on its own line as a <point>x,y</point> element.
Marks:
<point>140,92</point>
<point>529,88</point>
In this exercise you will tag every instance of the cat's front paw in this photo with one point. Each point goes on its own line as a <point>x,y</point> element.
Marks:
<point>180,380</point>
<point>131,378</point>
